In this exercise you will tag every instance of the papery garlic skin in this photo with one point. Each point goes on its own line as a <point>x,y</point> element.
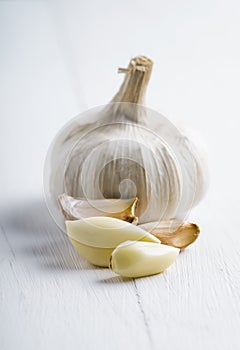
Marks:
<point>173,232</point>
<point>95,238</point>
<point>198,150</point>
<point>139,259</point>
<point>76,209</point>
<point>125,150</point>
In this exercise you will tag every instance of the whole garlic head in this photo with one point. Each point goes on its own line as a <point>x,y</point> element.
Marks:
<point>126,150</point>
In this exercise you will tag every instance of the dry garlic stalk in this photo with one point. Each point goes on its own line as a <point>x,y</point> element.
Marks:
<point>126,150</point>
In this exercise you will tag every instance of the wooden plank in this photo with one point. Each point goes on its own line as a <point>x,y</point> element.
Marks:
<point>195,304</point>
<point>52,298</point>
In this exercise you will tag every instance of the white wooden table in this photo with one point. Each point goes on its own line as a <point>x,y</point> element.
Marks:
<point>52,299</point>
<point>59,58</point>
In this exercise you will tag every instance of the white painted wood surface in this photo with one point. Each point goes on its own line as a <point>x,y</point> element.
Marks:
<point>50,298</point>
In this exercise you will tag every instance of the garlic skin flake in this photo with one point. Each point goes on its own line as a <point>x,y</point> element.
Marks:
<point>125,150</point>
<point>95,238</point>
<point>77,208</point>
<point>173,232</point>
<point>139,259</point>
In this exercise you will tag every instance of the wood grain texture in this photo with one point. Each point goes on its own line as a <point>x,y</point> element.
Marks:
<point>52,299</point>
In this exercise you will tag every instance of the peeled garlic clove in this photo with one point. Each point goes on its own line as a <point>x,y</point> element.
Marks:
<point>76,208</point>
<point>105,232</point>
<point>96,256</point>
<point>173,232</point>
<point>95,238</point>
<point>139,259</point>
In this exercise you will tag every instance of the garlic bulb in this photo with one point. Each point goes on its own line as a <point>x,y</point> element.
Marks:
<point>125,150</point>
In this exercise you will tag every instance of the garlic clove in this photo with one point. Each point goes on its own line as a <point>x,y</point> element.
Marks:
<point>95,238</point>
<point>173,232</point>
<point>77,208</point>
<point>168,226</point>
<point>105,232</point>
<point>96,256</point>
<point>139,259</point>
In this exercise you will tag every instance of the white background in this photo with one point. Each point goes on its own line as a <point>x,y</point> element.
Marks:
<point>59,58</point>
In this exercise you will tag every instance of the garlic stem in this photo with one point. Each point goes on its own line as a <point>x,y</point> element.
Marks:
<point>133,88</point>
